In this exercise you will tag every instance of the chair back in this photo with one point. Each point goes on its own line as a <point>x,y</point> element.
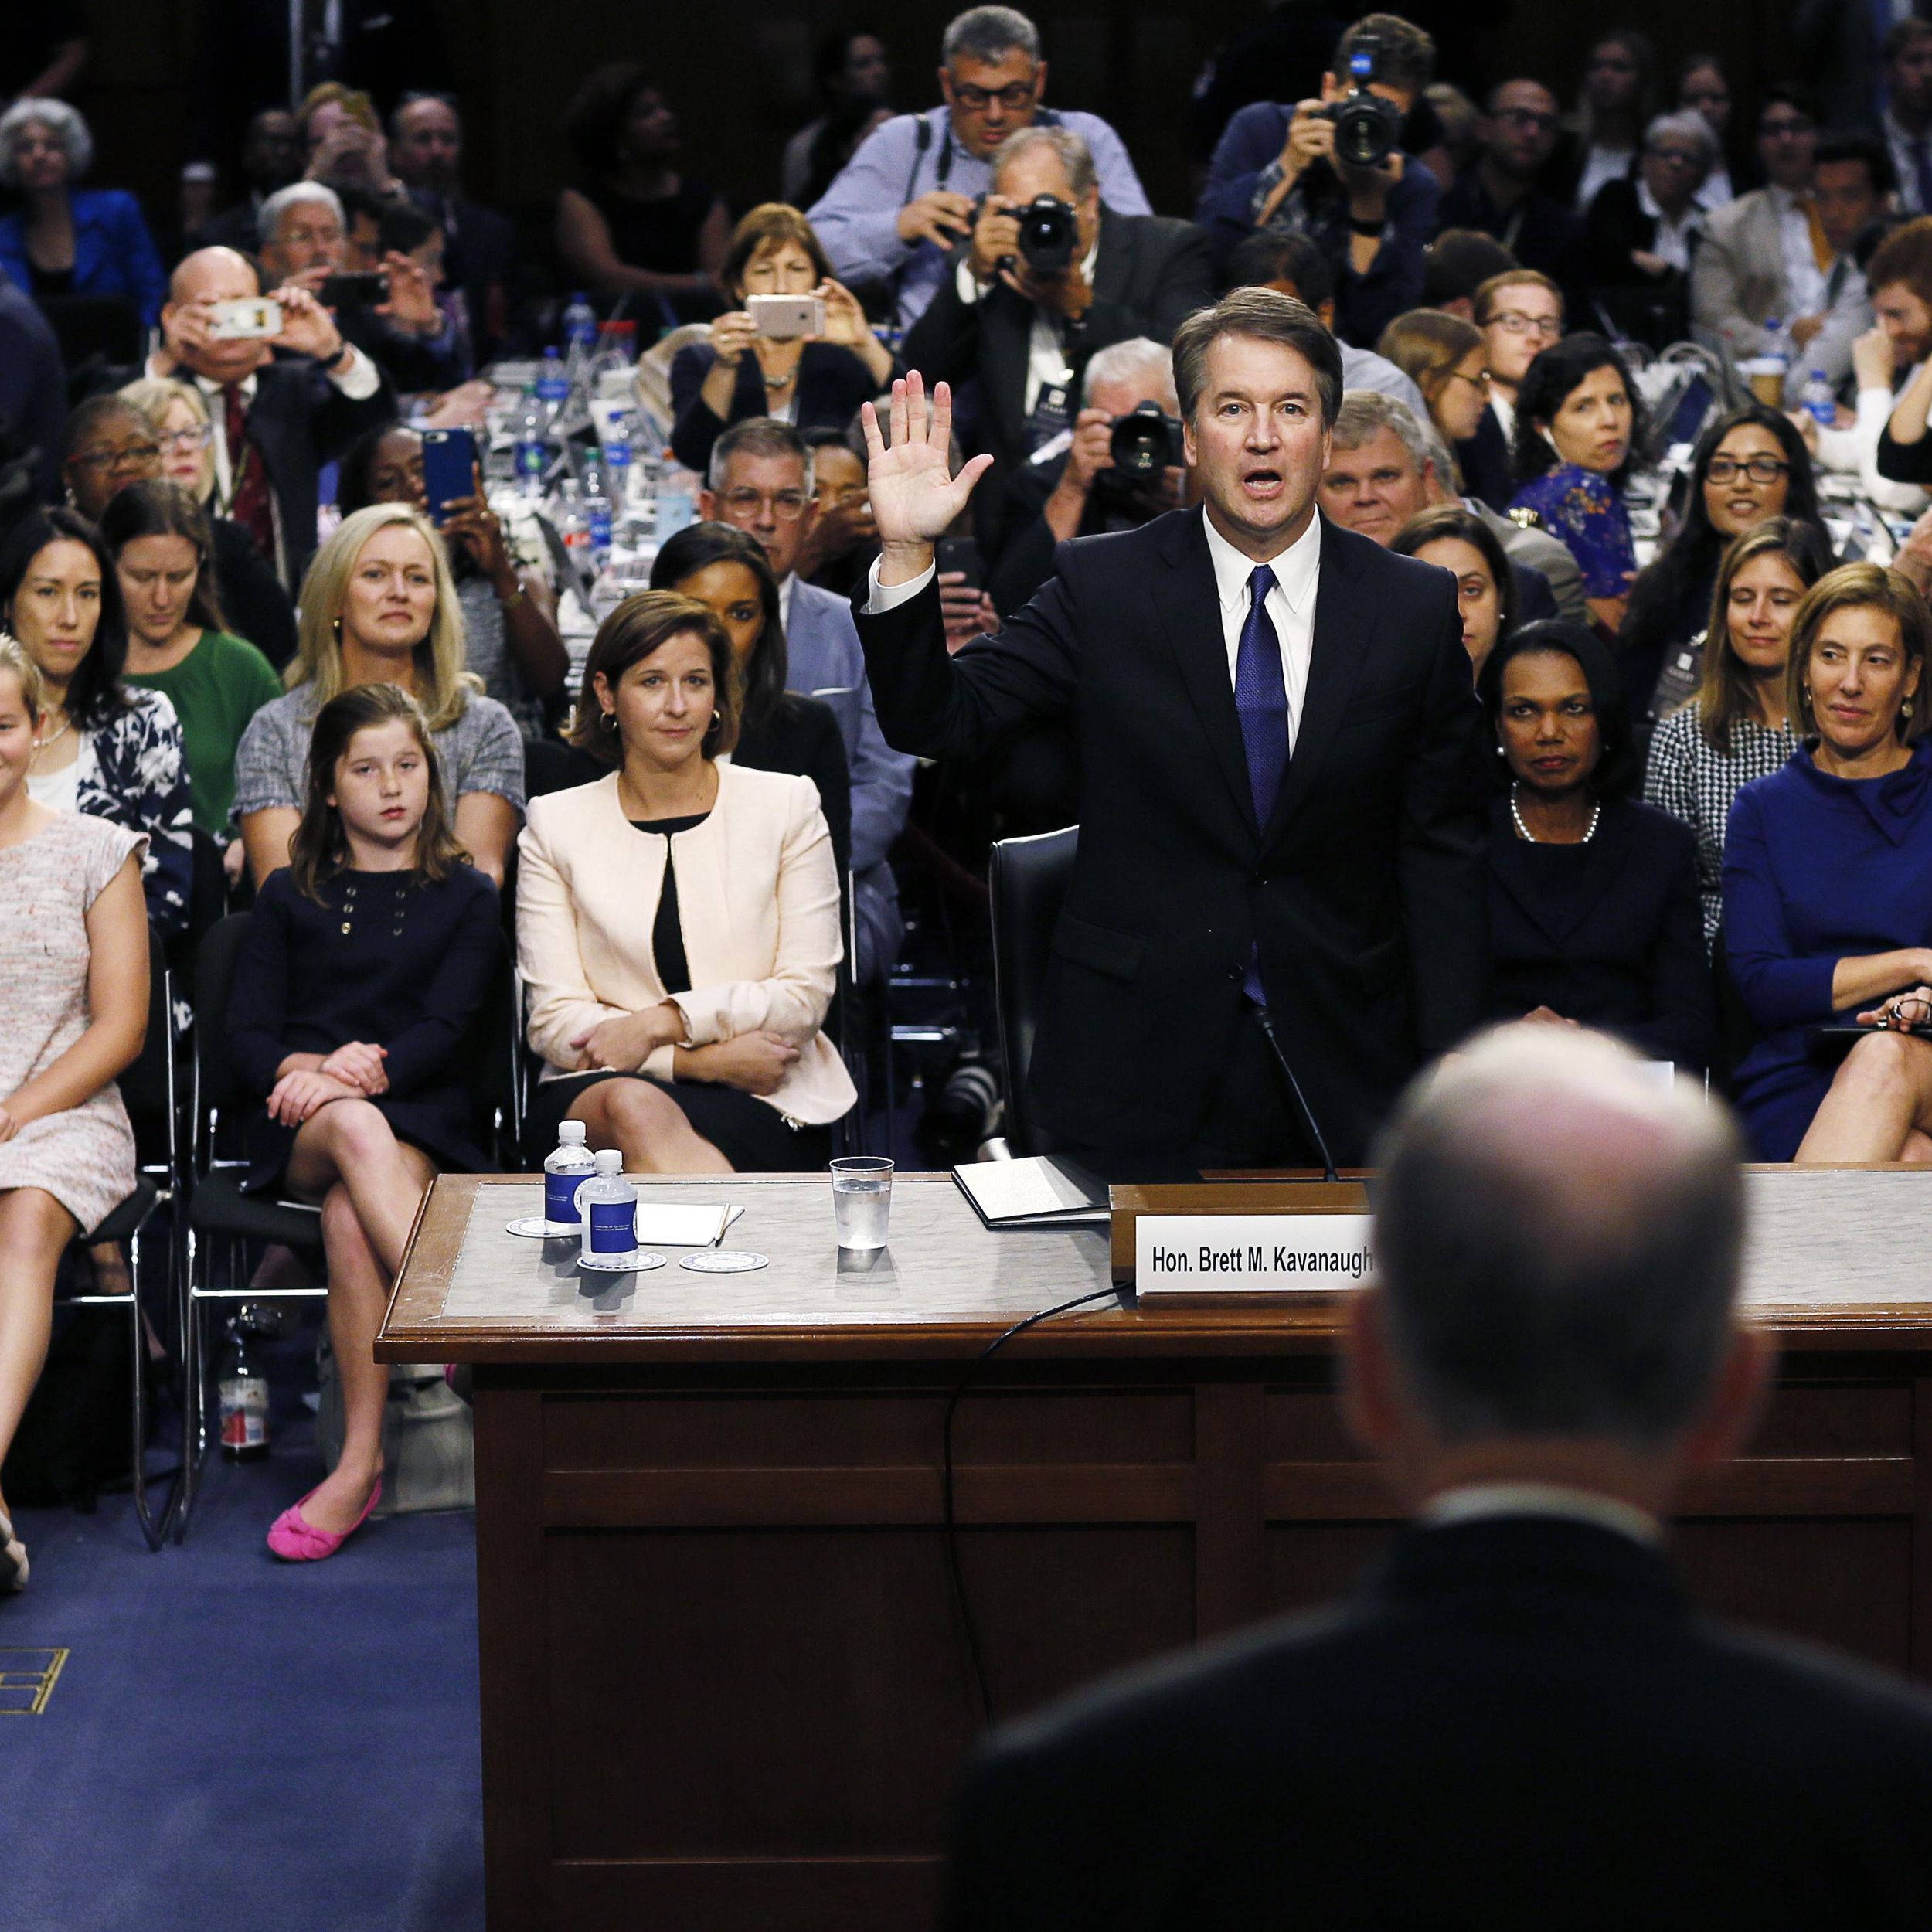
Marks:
<point>106,328</point>
<point>1736,1032</point>
<point>549,765</point>
<point>147,1085</point>
<point>216,1084</point>
<point>1028,880</point>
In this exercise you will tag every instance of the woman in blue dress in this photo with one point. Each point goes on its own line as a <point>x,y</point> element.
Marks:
<point>1828,885</point>
<point>1578,418</point>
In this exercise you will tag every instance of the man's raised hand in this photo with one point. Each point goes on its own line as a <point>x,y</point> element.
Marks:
<point>915,496</point>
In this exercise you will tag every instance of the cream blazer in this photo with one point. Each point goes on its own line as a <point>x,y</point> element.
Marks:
<point>758,901</point>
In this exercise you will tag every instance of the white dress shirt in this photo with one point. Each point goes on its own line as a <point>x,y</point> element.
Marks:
<point>1046,361</point>
<point>1504,410</point>
<point>1291,604</point>
<point>1471,1502</point>
<point>1672,242</point>
<point>1804,279</point>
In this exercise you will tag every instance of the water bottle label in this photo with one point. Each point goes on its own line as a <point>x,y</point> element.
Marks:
<point>531,459</point>
<point>613,1227</point>
<point>244,1413</point>
<point>599,532</point>
<point>560,1196</point>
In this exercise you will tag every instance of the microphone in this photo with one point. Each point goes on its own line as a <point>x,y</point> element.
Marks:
<point>1300,1099</point>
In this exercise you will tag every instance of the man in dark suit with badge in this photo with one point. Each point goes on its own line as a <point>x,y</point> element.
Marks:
<point>1282,797</point>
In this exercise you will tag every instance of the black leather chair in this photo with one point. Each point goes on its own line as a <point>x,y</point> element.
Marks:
<point>1028,880</point>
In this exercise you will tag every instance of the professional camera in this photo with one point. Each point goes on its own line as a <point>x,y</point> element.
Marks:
<point>1146,441</point>
<point>1366,126</point>
<point>1048,234</point>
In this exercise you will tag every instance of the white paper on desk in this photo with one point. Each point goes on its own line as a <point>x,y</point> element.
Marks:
<point>1026,1190</point>
<point>669,1227</point>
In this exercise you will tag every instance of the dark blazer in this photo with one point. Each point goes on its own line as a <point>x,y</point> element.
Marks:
<point>1610,932</point>
<point>832,383</point>
<point>485,260</point>
<point>1364,892</point>
<point>300,420</point>
<point>1488,470</point>
<point>1150,273</point>
<point>253,600</point>
<point>1515,1723</point>
<point>802,736</point>
<point>1655,307</point>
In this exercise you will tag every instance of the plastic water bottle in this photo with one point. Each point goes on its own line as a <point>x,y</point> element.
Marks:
<point>564,1171</point>
<point>531,451</point>
<point>609,1206</point>
<point>553,386</point>
<point>1776,354</point>
<point>573,527</point>
<point>579,329</point>
<point>242,1388</point>
<point>1819,400</point>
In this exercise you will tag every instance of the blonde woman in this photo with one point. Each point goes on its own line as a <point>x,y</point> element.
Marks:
<point>256,607</point>
<point>378,606</point>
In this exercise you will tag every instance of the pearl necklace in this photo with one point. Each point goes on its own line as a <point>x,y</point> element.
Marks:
<point>1524,833</point>
<point>52,738</point>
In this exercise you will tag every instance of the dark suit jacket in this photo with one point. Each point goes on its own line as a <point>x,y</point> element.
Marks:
<point>484,260</point>
<point>300,420</point>
<point>802,736</point>
<point>1364,892</point>
<point>832,383</point>
<point>1488,470</point>
<point>1609,933</point>
<point>1150,273</point>
<point>1517,1723</point>
<point>1655,307</point>
<point>253,600</point>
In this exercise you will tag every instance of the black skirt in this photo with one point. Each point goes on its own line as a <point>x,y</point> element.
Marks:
<point>427,1121</point>
<point>754,1136</point>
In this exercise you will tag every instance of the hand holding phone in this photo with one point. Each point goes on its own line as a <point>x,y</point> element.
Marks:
<point>449,470</point>
<point>787,318</point>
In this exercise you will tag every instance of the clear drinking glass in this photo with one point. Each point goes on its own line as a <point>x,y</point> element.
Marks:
<point>861,1200</point>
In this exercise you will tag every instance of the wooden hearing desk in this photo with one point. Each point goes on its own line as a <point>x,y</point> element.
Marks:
<point>723,1681</point>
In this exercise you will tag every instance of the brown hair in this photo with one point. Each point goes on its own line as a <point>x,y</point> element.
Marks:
<point>1408,57</point>
<point>352,101</point>
<point>1425,344</point>
<point>320,848</point>
<point>1268,316</point>
<point>1487,293</point>
<point>639,626</point>
<point>1857,587</point>
<point>768,225</point>
<point>1724,685</point>
<point>155,507</point>
<point>1904,256</point>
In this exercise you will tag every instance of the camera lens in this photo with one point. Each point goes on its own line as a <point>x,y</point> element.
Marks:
<point>1047,233</point>
<point>1145,443</point>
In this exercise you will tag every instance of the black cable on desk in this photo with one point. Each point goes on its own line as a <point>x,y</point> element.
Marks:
<point>975,1656</point>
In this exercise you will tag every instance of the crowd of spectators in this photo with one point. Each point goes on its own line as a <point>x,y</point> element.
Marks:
<point>217,560</point>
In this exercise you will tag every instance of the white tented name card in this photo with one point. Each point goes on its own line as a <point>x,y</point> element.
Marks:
<point>1233,1255</point>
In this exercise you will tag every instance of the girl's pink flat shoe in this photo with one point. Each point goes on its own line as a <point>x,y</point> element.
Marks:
<point>295,1539</point>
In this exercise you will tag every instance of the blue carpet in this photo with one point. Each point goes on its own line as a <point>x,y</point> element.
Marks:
<point>237,1742</point>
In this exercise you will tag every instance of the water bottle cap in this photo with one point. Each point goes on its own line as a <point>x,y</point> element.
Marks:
<point>610,1160</point>
<point>570,1133</point>
<point>552,353</point>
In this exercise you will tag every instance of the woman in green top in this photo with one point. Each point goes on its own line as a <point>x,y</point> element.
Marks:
<point>161,541</point>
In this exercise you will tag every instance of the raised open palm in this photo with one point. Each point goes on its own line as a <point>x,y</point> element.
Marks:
<point>915,496</point>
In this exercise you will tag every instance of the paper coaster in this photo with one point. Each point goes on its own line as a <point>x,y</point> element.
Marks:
<point>533,1227</point>
<point>724,1261</point>
<point>636,1262</point>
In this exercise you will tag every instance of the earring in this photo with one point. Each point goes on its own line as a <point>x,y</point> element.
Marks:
<point>1905,709</point>
<point>718,721</point>
<point>336,626</point>
<point>607,721</point>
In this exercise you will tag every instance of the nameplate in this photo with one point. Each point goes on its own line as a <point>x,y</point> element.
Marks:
<point>1240,1255</point>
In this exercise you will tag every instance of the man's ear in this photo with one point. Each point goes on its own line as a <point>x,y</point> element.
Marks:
<point>1039,83</point>
<point>708,504</point>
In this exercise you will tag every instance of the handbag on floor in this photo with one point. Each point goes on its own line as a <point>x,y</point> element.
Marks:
<point>429,1444</point>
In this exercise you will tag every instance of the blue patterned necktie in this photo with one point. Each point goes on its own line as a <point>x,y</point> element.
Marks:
<point>1261,701</point>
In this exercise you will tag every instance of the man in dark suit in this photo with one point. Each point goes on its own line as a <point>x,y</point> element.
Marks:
<point>426,152</point>
<point>1517,1722</point>
<point>1025,333</point>
<point>280,409</point>
<point>1282,793</point>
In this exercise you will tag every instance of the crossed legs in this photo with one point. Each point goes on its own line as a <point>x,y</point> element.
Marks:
<point>641,1118</point>
<point>347,1156</point>
<point>1879,1105</point>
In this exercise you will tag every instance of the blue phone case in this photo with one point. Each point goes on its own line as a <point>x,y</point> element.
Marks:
<point>449,469</point>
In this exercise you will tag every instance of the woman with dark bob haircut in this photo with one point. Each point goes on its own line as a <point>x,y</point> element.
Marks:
<point>1578,418</point>
<point>1593,913</point>
<point>1751,464</point>
<point>677,921</point>
<point>725,569</point>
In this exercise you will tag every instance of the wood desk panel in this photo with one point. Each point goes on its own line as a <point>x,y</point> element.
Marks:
<point>724,1684</point>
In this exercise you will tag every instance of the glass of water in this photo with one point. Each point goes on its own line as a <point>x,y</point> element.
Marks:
<point>862,1200</point>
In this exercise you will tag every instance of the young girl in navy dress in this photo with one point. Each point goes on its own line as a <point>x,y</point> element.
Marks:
<point>367,959</point>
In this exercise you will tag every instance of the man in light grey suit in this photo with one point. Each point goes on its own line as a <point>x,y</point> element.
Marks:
<point>754,463</point>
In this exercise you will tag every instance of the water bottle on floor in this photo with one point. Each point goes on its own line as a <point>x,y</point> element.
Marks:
<point>609,1206</point>
<point>564,1171</point>
<point>242,1387</point>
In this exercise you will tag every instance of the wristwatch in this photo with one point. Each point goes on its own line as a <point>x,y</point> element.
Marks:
<point>341,355</point>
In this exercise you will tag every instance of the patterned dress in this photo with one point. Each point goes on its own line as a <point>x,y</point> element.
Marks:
<point>84,1157</point>
<point>1585,510</point>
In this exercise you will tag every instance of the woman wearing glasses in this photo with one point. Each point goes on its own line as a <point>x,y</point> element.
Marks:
<point>1751,464</point>
<point>1828,885</point>
<point>812,382</point>
<point>1445,358</point>
<point>1520,313</point>
<point>1642,230</point>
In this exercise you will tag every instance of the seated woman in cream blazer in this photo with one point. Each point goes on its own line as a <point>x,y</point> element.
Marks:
<point>677,922</point>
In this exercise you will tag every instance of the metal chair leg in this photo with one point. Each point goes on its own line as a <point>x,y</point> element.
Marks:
<point>154,1529</point>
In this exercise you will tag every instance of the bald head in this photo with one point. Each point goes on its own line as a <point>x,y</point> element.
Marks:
<point>215,275</point>
<point>210,275</point>
<point>1557,1236</point>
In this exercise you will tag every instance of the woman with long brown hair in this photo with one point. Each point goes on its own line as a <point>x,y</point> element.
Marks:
<point>369,955</point>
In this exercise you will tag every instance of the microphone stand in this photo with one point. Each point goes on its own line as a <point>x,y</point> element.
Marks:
<point>1301,1100</point>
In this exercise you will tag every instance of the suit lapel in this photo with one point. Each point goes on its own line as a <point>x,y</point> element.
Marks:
<point>1345,630</point>
<point>1189,606</point>
<point>1112,264</point>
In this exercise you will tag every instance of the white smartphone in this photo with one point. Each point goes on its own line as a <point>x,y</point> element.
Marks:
<point>786,317</point>
<point>252,318</point>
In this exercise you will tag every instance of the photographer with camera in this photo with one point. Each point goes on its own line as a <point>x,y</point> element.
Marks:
<point>1120,466</point>
<point>1048,276</point>
<point>1330,169</point>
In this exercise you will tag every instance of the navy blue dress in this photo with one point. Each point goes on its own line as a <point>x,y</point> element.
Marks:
<point>389,958</point>
<point>1816,869</point>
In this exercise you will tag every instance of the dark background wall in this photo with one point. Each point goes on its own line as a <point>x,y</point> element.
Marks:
<point>740,72</point>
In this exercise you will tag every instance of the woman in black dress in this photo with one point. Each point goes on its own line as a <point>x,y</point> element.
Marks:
<point>368,957</point>
<point>778,730</point>
<point>1595,918</point>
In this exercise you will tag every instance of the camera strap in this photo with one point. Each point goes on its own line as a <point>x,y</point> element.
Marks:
<point>922,141</point>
